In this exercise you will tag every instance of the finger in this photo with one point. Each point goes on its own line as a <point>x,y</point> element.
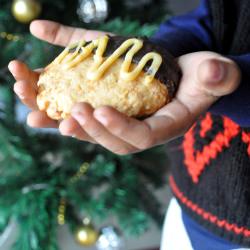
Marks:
<point>26,93</point>
<point>200,87</point>
<point>39,119</point>
<point>83,113</point>
<point>206,77</point>
<point>175,118</point>
<point>171,122</point>
<point>134,132</point>
<point>59,34</point>
<point>70,127</point>
<point>152,131</point>
<point>21,72</point>
<point>219,76</point>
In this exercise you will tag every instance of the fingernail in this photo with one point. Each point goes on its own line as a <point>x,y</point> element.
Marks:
<point>10,67</point>
<point>19,93</point>
<point>22,97</point>
<point>217,70</point>
<point>79,117</point>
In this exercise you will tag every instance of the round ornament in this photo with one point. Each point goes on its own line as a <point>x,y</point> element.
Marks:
<point>86,234</point>
<point>92,11</point>
<point>25,11</point>
<point>110,239</point>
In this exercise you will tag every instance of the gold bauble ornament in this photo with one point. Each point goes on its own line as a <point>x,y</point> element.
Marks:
<point>26,10</point>
<point>86,235</point>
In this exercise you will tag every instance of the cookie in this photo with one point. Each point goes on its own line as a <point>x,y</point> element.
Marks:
<point>130,74</point>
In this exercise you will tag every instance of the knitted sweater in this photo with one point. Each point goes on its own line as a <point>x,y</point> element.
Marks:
<point>211,165</point>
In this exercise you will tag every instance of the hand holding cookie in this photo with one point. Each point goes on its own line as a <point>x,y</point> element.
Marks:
<point>206,77</point>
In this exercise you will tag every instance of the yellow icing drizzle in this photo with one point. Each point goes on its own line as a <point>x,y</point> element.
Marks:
<point>101,64</point>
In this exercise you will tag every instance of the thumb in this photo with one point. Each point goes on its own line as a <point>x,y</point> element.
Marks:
<point>206,76</point>
<point>218,76</point>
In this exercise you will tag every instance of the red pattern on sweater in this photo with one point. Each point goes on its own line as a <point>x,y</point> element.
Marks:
<point>246,139</point>
<point>206,125</point>
<point>196,161</point>
<point>206,215</point>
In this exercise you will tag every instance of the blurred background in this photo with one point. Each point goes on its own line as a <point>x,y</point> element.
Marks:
<point>59,193</point>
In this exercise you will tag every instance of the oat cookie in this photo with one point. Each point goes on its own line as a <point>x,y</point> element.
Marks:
<point>130,74</point>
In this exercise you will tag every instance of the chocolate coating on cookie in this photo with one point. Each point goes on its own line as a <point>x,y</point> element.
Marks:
<point>169,72</point>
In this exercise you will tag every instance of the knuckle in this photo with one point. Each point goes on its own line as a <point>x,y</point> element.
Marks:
<point>54,34</point>
<point>57,37</point>
<point>122,129</point>
<point>146,143</point>
<point>95,133</point>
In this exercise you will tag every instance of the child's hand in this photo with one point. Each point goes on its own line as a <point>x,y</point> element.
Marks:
<point>206,77</point>
<point>26,79</point>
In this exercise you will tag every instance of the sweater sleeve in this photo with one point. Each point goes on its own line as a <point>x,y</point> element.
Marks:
<point>193,32</point>
<point>187,33</point>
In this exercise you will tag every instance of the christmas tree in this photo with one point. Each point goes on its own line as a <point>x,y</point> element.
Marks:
<point>47,180</point>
